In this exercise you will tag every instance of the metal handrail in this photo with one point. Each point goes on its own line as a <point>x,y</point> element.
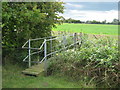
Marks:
<point>34,49</point>
<point>57,51</point>
<point>25,44</point>
<point>42,38</point>
<point>31,55</point>
<point>44,44</point>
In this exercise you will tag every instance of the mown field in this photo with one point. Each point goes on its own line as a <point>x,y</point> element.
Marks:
<point>88,28</point>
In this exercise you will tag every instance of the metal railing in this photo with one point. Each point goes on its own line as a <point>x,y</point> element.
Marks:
<point>44,47</point>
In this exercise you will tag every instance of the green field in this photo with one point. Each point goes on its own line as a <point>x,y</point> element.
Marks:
<point>88,28</point>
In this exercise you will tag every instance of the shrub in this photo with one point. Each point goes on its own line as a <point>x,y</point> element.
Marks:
<point>99,63</point>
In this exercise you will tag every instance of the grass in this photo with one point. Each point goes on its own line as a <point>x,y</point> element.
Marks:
<point>12,78</point>
<point>89,28</point>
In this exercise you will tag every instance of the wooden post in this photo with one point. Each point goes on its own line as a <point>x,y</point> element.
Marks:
<point>80,43</point>
<point>75,39</point>
<point>64,40</point>
<point>80,36</point>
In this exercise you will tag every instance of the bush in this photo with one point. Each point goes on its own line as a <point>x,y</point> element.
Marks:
<point>99,63</point>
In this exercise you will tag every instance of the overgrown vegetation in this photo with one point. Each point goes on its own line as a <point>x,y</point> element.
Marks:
<point>93,64</point>
<point>95,61</point>
<point>25,20</point>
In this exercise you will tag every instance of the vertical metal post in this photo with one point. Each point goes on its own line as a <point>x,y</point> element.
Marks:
<point>45,54</point>
<point>51,45</point>
<point>29,55</point>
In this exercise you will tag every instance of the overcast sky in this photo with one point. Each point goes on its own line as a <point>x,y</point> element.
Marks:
<point>91,11</point>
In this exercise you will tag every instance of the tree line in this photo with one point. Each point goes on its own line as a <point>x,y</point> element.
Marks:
<point>70,20</point>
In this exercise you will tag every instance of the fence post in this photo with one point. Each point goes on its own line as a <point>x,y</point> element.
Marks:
<point>29,54</point>
<point>80,37</point>
<point>64,40</point>
<point>45,55</point>
<point>75,37</point>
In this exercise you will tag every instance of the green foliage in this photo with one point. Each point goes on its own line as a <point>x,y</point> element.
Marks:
<point>99,63</point>
<point>24,20</point>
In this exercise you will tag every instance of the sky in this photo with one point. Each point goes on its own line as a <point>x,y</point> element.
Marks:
<point>84,11</point>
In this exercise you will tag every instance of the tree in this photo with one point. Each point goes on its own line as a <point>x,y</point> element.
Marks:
<point>88,22</point>
<point>70,20</point>
<point>24,20</point>
<point>115,21</point>
<point>103,22</point>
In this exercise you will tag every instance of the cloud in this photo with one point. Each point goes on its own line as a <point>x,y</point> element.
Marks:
<point>74,5</point>
<point>85,15</point>
<point>88,0</point>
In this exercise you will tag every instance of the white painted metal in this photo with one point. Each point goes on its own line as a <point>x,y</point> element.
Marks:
<point>29,55</point>
<point>44,44</point>
<point>25,44</point>
<point>45,54</point>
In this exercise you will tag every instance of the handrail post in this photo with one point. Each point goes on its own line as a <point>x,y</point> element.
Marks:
<point>29,54</point>
<point>51,45</point>
<point>45,54</point>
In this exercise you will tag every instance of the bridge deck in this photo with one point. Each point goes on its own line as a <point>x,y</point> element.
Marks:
<point>34,70</point>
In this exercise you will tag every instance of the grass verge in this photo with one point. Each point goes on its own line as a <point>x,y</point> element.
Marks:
<point>12,78</point>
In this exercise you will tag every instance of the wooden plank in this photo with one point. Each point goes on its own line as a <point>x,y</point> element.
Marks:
<point>34,70</point>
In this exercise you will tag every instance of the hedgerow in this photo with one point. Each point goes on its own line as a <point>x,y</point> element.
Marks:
<point>92,62</point>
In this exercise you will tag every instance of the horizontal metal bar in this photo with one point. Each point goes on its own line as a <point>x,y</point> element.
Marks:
<point>31,54</point>
<point>35,48</point>
<point>66,47</point>
<point>49,53</point>
<point>42,46</point>
<point>52,39</point>
<point>36,52</point>
<point>42,38</point>
<point>31,48</point>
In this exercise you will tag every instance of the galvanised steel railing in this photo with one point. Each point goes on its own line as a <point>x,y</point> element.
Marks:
<point>43,46</point>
